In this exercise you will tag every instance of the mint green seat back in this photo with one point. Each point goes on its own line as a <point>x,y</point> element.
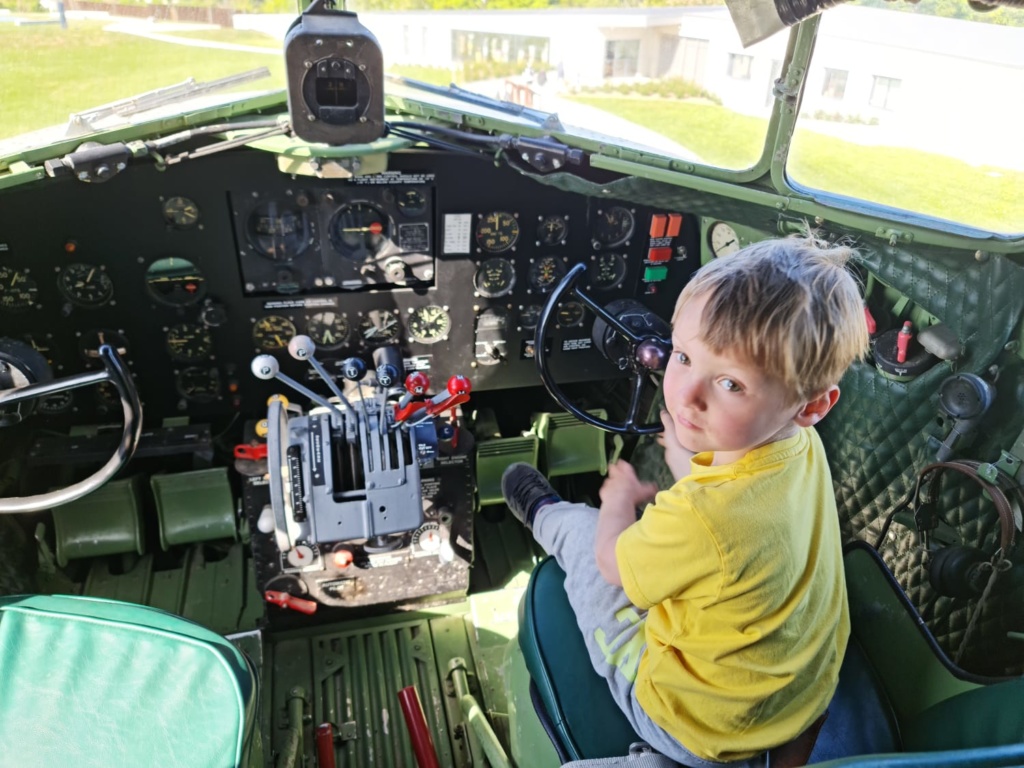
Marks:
<point>87,682</point>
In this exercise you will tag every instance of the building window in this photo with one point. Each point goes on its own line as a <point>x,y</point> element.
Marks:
<point>884,92</point>
<point>835,84</point>
<point>740,66</point>
<point>694,53</point>
<point>621,57</point>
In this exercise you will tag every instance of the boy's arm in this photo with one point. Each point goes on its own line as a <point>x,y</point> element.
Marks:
<point>621,492</point>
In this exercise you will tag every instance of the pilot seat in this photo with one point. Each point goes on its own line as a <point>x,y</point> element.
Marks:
<point>900,701</point>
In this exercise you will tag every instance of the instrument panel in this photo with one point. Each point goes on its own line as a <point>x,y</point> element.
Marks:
<point>193,271</point>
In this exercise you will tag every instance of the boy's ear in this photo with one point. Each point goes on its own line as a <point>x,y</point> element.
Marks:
<point>814,410</point>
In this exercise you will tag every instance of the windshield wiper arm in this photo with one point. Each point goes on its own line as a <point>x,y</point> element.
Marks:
<point>83,122</point>
<point>545,119</point>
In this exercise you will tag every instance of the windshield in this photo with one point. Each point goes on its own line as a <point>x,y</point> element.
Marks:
<point>925,101</point>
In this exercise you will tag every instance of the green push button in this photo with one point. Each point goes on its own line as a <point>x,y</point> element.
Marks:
<point>655,274</point>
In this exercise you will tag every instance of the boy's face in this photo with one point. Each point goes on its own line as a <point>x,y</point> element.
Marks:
<point>722,402</point>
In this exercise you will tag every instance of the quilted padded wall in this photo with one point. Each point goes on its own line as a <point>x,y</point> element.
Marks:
<point>878,437</point>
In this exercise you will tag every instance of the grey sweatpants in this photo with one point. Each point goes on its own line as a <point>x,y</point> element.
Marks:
<point>612,627</point>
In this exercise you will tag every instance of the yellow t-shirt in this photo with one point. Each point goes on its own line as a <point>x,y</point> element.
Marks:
<point>741,569</point>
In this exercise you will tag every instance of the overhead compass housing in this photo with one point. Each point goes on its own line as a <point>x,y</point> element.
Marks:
<point>335,77</point>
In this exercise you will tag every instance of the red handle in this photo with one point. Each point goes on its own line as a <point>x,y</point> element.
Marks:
<point>284,600</point>
<point>325,746</point>
<point>251,452</point>
<point>419,734</point>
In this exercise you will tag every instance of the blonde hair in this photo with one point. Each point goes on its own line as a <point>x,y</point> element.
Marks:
<point>789,305</point>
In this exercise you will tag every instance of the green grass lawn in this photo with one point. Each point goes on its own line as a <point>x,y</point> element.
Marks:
<point>48,72</point>
<point>928,183</point>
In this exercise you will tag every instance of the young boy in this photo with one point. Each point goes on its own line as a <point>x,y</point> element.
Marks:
<point>738,565</point>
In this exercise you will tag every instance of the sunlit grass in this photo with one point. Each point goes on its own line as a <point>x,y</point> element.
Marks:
<point>48,73</point>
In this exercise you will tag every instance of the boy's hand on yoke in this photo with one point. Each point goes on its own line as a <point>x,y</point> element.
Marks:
<point>676,456</point>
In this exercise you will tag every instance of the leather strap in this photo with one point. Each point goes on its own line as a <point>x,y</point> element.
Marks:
<point>798,751</point>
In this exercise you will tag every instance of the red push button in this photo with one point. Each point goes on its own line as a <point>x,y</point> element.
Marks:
<point>659,254</point>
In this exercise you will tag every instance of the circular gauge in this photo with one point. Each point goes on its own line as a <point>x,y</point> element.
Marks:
<point>56,403</point>
<point>272,332</point>
<point>613,226</point>
<point>279,230</point>
<point>570,314</point>
<point>18,291</point>
<point>546,272</point>
<point>189,341</point>
<point>722,239</point>
<point>328,330</point>
<point>553,230</point>
<point>85,285</point>
<point>497,231</point>
<point>359,231</point>
<point>199,385</point>
<point>427,537</point>
<point>529,316</point>
<point>89,343</point>
<point>43,344</point>
<point>379,327</point>
<point>607,271</point>
<point>494,277</point>
<point>175,281</point>
<point>180,212</point>
<point>411,202</point>
<point>429,325</point>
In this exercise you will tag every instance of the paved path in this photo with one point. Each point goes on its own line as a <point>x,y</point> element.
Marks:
<point>147,29</point>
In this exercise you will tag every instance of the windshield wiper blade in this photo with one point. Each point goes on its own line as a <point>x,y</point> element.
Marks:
<point>544,119</point>
<point>81,123</point>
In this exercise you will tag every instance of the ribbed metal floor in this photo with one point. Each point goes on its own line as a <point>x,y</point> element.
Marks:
<point>351,678</point>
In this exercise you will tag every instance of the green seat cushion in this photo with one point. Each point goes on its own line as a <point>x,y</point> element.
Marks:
<point>586,719</point>
<point>89,682</point>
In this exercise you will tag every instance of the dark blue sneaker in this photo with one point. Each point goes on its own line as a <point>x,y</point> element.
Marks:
<point>526,490</point>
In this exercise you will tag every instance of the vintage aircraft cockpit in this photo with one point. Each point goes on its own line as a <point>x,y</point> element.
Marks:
<point>265,354</point>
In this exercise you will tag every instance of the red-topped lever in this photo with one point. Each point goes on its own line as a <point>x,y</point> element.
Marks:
<point>458,392</point>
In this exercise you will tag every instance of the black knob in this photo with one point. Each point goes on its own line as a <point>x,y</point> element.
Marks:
<point>353,369</point>
<point>387,375</point>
